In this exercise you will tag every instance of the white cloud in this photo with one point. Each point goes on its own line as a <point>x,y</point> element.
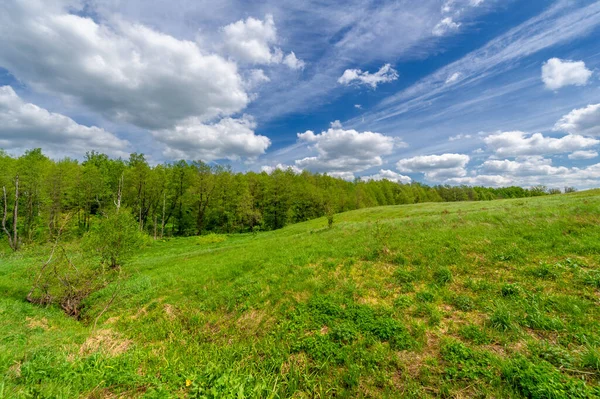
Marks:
<point>252,41</point>
<point>340,150</point>
<point>445,26</point>
<point>255,77</point>
<point>453,78</point>
<point>357,106</point>
<point>125,71</point>
<point>579,155</point>
<point>557,73</point>
<point>388,175</point>
<point>228,139</point>
<point>25,125</point>
<point>526,166</point>
<point>349,176</point>
<point>292,62</point>
<point>385,74</point>
<point>436,167</point>
<point>559,24</point>
<point>581,121</point>
<point>279,166</point>
<point>512,144</point>
<point>460,136</point>
<point>482,180</point>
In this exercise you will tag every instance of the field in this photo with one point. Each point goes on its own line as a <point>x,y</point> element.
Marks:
<point>473,299</point>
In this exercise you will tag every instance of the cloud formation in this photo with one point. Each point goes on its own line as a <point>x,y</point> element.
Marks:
<point>125,71</point>
<point>227,139</point>
<point>25,125</point>
<point>579,155</point>
<point>386,174</point>
<point>445,26</point>
<point>517,143</point>
<point>252,41</point>
<point>436,167</point>
<point>339,150</point>
<point>557,73</point>
<point>581,121</point>
<point>355,76</point>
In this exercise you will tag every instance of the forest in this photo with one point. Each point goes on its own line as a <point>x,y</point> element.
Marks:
<point>191,198</point>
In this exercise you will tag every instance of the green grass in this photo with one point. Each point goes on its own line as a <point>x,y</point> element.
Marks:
<point>479,299</point>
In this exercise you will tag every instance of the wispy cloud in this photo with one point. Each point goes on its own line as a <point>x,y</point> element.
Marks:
<point>558,24</point>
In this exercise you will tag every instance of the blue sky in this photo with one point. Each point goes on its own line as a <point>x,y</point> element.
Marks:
<point>486,92</point>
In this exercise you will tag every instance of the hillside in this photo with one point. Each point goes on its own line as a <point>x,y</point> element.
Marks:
<point>497,298</point>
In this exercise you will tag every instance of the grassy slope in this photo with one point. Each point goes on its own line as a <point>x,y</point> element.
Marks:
<point>467,299</point>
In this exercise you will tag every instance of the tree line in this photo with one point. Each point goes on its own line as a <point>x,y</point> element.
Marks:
<point>191,198</point>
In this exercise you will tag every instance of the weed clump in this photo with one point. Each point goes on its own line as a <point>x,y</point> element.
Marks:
<point>501,319</point>
<point>541,380</point>
<point>442,276</point>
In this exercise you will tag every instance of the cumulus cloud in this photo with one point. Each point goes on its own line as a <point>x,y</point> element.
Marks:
<point>482,180</point>
<point>126,71</point>
<point>581,121</point>
<point>386,174</point>
<point>25,125</point>
<point>227,139</point>
<point>526,166</point>
<point>293,62</point>
<point>512,144</point>
<point>252,41</point>
<point>436,167</point>
<point>557,73</point>
<point>579,155</point>
<point>355,76</point>
<point>270,169</point>
<point>340,150</point>
<point>445,26</point>
<point>349,176</point>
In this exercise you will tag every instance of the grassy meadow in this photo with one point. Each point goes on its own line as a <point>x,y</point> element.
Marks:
<point>473,299</point>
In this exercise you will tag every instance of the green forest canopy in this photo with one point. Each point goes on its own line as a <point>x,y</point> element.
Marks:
<point>187,198</point>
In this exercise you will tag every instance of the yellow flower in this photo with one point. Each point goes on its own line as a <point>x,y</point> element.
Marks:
<point>188,383</point>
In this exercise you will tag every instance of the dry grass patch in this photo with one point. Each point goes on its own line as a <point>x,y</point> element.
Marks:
<point>105,341</point>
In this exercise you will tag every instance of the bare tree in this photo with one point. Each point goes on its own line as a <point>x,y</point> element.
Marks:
<point>13,240</point>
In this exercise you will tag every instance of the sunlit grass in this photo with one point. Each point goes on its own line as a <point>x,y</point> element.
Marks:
<point>494,298</point>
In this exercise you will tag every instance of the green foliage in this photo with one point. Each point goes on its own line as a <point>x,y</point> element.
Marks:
<point>541,380</point>
<point>510,290</point>
<point>463,302</point>
<point>502,319</point>
<point>442,276</point>
<point>298,313</point>
<point>114,239</point>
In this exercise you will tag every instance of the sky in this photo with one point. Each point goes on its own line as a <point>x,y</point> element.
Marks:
<point>475,92</point>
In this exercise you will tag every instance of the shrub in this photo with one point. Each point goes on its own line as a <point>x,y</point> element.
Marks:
<point>114,239</point>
